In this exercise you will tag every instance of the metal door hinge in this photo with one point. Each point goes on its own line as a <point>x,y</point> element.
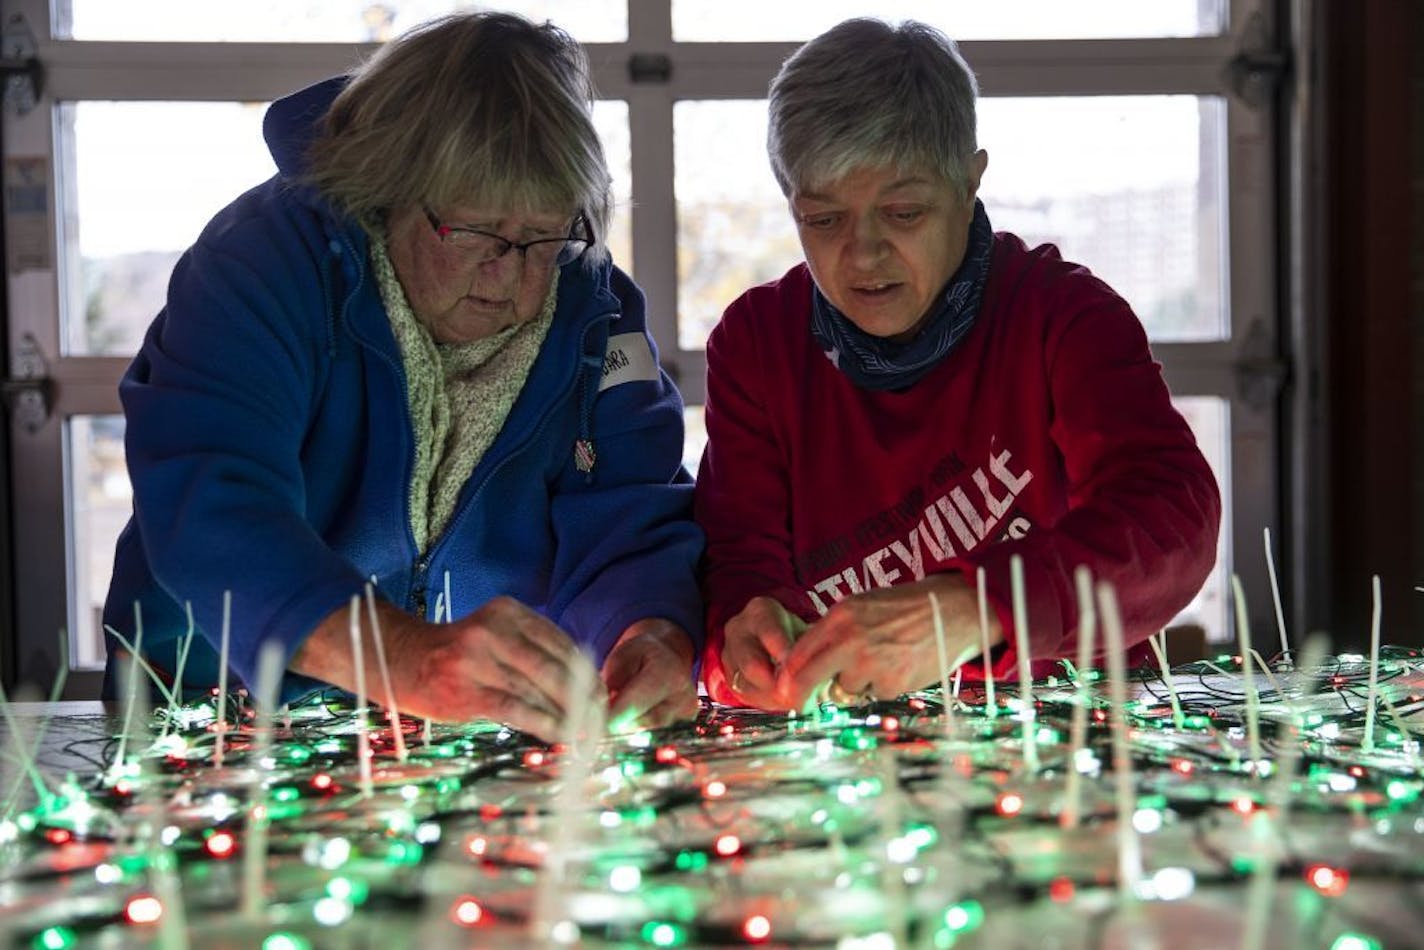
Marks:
<point>1259,66</point>
<point>29,394</point>
<point>20,65</point>
<point>1260,375</point>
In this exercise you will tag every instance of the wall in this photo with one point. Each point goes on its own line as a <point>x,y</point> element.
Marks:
<point>1375,317</point>
<point>1417,299</point>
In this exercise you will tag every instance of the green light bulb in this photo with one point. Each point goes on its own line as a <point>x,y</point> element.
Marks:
<point>1400,791</point>
<point>1355,942</point>
<point>922,836</point>
<point>855,738</point>
<point>285,941</point>
<point>404,852</point>
<point>663,934</point>
<point>964,916</point>
<point>55,938</point>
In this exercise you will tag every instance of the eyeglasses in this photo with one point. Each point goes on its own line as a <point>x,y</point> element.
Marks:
<point>482,246</point>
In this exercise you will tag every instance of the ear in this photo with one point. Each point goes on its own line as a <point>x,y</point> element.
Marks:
<point>977,164</point>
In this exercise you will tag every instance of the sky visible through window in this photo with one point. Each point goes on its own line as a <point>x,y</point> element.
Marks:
<point>606,21</point>
<point>134,195</point>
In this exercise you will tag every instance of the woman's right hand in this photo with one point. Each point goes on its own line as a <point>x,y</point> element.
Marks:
<point>755,643</point>
<point>503,662</point>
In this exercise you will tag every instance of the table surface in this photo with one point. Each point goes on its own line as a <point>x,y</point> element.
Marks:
<point>830,826</point>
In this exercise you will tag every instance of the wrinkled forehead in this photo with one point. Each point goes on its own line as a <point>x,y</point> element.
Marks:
<point>509,196</point>
<point>469,212</point>
<point>877,181</point>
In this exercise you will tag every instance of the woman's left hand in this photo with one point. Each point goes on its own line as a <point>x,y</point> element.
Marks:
<point>649,677</point>
<point>881,643</point>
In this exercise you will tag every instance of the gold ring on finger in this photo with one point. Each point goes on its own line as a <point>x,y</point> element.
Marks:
<point>841,696</point>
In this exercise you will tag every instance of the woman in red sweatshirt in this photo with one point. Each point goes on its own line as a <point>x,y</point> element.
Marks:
<point>922,398</point>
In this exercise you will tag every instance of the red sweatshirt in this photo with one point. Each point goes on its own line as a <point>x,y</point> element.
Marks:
<point>1046,432</point>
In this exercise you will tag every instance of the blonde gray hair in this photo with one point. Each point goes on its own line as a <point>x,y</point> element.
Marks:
<point>474,108</point>
<point>869,94</point>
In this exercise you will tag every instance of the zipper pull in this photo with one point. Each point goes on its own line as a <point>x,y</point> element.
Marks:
<point>584,455</point>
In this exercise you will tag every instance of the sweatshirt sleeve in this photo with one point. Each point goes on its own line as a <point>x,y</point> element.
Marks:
<point>743,493</point>
<point>627,545</point>
<point>216,404</point>
<point>1143,505</point>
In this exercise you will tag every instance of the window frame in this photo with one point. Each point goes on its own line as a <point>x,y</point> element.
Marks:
<point>1243,369</point>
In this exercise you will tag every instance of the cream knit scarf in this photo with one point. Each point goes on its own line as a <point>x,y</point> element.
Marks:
<point>460,395</point>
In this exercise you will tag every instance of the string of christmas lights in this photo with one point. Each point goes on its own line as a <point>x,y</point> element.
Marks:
<point>883,825</point>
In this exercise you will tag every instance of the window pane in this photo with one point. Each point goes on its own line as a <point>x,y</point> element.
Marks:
<point>610,118</point>
<point>1131,186</point>
<point>147,176</point>
<point>733,227</point>
<point>1210,422</point>
<point>100,502</point>
<point>756,20</point>
<point>331,21</point>
<point>143,179</point>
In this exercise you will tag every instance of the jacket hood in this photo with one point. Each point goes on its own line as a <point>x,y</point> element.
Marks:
<point>292,121</point>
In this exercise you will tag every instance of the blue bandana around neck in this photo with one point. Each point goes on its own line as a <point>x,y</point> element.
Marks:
<point>876,363</point>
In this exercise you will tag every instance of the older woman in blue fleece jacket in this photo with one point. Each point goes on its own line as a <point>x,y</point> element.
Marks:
<point>407,357</point>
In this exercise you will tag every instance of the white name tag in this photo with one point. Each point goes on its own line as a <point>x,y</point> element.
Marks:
<point>627,358</point>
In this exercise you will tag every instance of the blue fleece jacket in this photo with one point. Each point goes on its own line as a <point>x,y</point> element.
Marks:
<point>270,446</point>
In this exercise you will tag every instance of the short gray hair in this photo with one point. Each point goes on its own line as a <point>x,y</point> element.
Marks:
<point>869,94</point>
<point>477,107</point>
